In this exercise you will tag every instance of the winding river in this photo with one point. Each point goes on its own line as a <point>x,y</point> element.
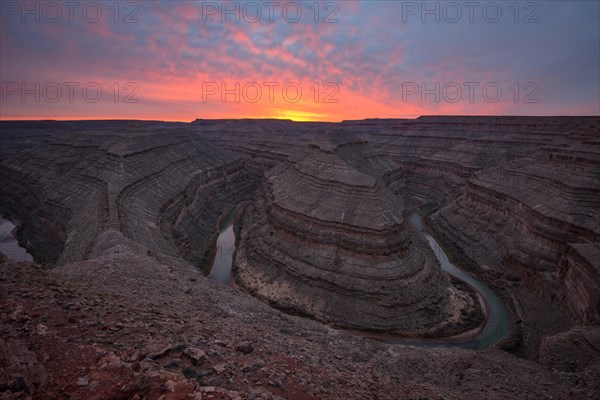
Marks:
<point>497,323</point>
<point>9,245</point>
<point>221,269</point>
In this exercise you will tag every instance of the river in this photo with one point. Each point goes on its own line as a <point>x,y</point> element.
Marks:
<point>221,269</point>
<point>497,324</point>
<point>9,245</point>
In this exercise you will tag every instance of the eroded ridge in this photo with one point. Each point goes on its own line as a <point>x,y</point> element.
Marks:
<point>76,188</point>
<point>326,240</point>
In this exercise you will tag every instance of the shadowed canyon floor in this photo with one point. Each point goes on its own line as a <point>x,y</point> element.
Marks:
<point>122,219</point>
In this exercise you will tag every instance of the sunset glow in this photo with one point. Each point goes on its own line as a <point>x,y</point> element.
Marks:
<point>181,60</point>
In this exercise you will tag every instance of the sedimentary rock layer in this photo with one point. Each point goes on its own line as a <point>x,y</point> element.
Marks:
<point>515,193</point>
<point>327,240</point>
<point>69,183</point>
<point>517,196</point>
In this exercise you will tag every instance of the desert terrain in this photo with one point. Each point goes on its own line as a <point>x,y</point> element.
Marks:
<point>122,219</point>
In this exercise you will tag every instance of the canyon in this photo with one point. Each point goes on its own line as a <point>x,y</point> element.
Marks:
<point>122,219</point>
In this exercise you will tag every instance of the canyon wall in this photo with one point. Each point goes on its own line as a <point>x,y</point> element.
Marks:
<point>515,194</point>
<point>325,240</point>
<point>68,183</point>
<point>516,197</point>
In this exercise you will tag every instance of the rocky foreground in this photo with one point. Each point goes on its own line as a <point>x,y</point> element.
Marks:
<point>121,217</point>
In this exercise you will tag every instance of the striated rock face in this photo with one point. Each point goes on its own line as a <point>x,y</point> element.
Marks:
<point>44,220</point>
<point>68,183</point>
<point>326,240</point>
<point>578,273</point>
<point>522,218</point>
<point>574,349</point>
<point>515,194</point>
<point>122,213</point>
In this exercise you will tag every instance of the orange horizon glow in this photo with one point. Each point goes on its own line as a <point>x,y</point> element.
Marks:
<point>367,55</point>
<point>290,117</point>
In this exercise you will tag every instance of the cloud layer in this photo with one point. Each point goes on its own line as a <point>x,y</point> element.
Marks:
<point>180,60</point>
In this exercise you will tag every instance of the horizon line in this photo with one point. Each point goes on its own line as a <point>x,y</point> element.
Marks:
<point>291,119</point>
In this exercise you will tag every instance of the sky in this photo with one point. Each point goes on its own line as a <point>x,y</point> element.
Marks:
<point>301,60</point>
